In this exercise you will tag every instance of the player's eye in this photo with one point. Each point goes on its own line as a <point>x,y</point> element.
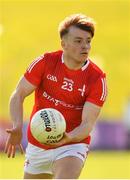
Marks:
<point>88,41</point>
<point>78,41</point>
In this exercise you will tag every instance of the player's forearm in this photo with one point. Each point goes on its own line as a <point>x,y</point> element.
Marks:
<point>81,132</point>
<point>16,110</point>
<point>89,116</point>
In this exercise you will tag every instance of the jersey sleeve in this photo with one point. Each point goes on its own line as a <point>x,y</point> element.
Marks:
<point>98,91</point>
<point>34,72</point>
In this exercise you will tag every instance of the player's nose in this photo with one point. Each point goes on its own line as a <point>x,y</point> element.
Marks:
<point>86,46</point>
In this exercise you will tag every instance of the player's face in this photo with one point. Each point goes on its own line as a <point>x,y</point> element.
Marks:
<point>77,44</point>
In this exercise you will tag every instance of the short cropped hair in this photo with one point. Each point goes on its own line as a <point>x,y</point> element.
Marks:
<point>77,20</point>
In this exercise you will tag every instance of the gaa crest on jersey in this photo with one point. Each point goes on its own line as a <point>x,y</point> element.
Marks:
<point>52,77</point>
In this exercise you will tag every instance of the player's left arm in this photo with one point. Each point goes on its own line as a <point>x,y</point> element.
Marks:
<point>89,117</point>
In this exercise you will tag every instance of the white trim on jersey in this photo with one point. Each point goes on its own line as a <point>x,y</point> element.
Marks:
<point>62,60</point>
<point>34,63</point>
<point>86,65</point>
<point>104,89</point>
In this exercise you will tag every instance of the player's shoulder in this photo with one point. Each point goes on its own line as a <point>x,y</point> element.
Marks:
<point>53,55</point>
<point>95,69</point>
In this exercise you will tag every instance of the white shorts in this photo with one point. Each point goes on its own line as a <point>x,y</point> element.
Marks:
<point>41,161</point>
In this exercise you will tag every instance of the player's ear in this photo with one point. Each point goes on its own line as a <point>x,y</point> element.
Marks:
<point>63,43</point>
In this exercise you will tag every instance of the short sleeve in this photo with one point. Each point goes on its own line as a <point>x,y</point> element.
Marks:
<point>98,91</point>
<point>35,71</point>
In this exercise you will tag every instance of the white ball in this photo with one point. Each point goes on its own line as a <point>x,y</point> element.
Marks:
<point>48,125</point>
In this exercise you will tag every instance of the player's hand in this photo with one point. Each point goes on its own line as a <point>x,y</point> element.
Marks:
<point>13,141</point>
<point>65,139</point>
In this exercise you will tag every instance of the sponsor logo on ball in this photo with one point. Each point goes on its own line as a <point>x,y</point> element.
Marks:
<point>46,120</point>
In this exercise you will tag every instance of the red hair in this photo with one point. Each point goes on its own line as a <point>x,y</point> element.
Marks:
<point>78,20</point>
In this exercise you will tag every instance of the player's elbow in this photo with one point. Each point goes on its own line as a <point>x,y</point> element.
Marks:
<point>17,96</point>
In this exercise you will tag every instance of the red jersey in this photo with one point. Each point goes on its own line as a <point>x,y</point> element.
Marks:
<point>65,90</point>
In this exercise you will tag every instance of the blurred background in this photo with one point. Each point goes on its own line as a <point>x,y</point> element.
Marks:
<point>28,28</point>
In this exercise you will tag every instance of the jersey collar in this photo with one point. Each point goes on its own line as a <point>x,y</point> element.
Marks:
<point>83,68</point>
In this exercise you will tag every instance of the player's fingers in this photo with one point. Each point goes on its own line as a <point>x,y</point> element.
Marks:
<point>60,143</point>
<point>6,147</point>
<point>9,130</point>
<point>13,151</point>
<point>53,144</point>
<point>9,151</point>
<point>21,149</point>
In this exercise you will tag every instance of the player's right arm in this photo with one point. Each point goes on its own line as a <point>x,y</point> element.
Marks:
<point>23,89</point>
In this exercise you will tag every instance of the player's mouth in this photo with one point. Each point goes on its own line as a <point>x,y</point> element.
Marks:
<point>84,53</point>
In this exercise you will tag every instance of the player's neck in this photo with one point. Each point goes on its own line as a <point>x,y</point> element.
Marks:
<point>72,63</point>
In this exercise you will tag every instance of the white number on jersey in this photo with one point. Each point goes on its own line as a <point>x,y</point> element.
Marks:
<point>67,86</point>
